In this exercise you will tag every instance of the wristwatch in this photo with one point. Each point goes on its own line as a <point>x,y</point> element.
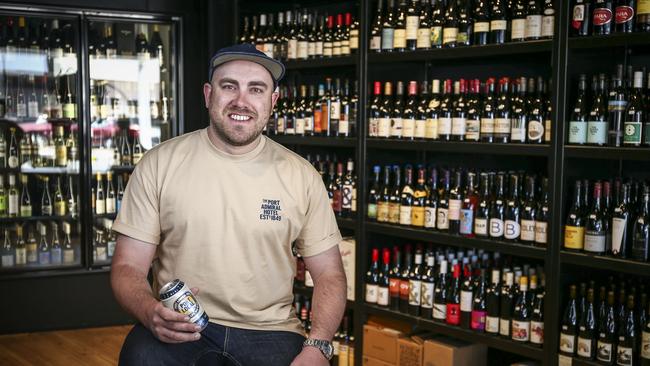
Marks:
<point>325,347</point>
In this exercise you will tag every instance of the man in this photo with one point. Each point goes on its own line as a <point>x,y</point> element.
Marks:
<point>220,209</point>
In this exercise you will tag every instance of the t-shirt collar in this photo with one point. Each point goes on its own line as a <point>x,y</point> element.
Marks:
<point>234,157</point>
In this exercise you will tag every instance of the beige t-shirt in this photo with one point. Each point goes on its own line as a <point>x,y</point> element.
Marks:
<point>225,224</point>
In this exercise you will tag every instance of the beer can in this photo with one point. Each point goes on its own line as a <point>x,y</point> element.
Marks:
<point>177,296</point>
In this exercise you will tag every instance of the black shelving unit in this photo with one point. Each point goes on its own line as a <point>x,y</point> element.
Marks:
<point>460,147</point>
<point>315,141</point>
<point>606,263</point>
<point>320,63</point>
<point>608,153</point>
<point>612,40</point>
<point>346,223</point>
<point>10,220</point>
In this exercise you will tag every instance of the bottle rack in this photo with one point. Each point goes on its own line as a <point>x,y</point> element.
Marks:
<point>559,53</point>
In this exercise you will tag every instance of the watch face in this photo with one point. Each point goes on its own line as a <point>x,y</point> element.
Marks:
<point>329,350</point>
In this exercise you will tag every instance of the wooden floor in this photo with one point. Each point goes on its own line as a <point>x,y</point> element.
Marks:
<point>94,346</point>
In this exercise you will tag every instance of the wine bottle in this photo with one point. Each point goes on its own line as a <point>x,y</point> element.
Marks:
<point>404,281</point>
<point>468,208</point>
<point>595,240</point>
<point>383,285</point>
<point>46,198</point>
<point>518,21</point>
<point>465,24</point>
<point>453,298</point>
<point>451,26</point>
<point>578,120</point>
<point>399,37</point>
<point>412,16</point>
<point>376,29</point>
<point>372,278</point>
<point>384,196</point>
<point>497,211</point>
<point>506,305</point>
<point>415,285</point>
<point>568,330</point>
<point>529,213</point>
<point>602,17</point>
<point>617,106</point>
<point>479,305</point>
<point>396,125</point>
<point>586,345</point>
<point>394,280</point>
<point>410,112</point>
<point>574,229</point>
<point>621,224</point>
<point>635,114</point>
<point>645,341</point>
<point>419,200</point>
<point>512,224</point>
<point>446,112</point>
<point>423,41</point>
<point>498,22</point>
<point>626,351</point>
<point>537,320</point>
<point>437,23</point>
<point>548,20</point>
<point>44,255</point>
<point>641,230</point>
<point>374,111</point>
<point>431,202</point>
<point>440,294</point>
<point>433,112</point>
<point>493,303</point>
<point>442,222</point>
<point>421,113</point>
<point>597,124</point>
<point>522,313</point>
<point>483,208</point>
<point>25,198</point>
<point>459,114</point>
<point>481,23</point>
<point>466,298</point>
<point>488,114</point>
<point>388,28</point>
<point>607,338</point>
<point>374,194</point>
<point>385,112</point>
<point>455,203</point>
<point>406,197</point>
<point>502,123</point>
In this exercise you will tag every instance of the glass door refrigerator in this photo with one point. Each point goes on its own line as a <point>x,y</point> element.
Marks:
<point>132,80</point>
<point>39,142</point>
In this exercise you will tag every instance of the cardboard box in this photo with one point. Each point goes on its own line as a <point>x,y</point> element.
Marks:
<point>441,351</point>
<point>347,248</point>
<point>369,361</point>
<point>410,351</point>
<point>380,343</point>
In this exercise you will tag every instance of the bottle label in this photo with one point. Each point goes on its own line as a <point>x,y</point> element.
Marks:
<point>382,212</point>
<point>444,126</point>
<point>624,356</point>
<point>504,327</point>
<point>393,287</point>
<point>426,295</point>
<point>595,241</point>
<point>540,232</point>
<point>399,38</point>
<point>32,253</point>
<point>13,205</point>
<point>382,296</point>
<point>453,314</point>
<point>439,311</point>
<point>574,237</point>
<point>371,293</point>
<point>533,26</point>
<point>458,126</point>
<point>487,125</point>
<point>512,229</point>
<point>404,289</point>
<point>375,43</point>
<point>431,129</point>
<point>372,211</point>
<point>473,129</point>
<point>423,38</point>
<point>56,256</point>
<point>527,230</point>
<point>619,227</point>
<point>518,29</point>
<point>443,219</point>
<point>354,39</point>
<point>417,216</point>
<point>478,320</point>
<point>567,343</point>
<point>496,228</point>
<point>632,133</point>
<point>449,35</point>
<point>420,129</point>
<point>387,35</point>
<point>502,125</point>
<point>327,49</point>
<point>602,16</point>
<point>536,332</point>
<point>498,25</point>
<point>548,26</point>
<point>32,109</point>
<point>412,25</point>
<point>584,347</point>
<point>311,49</point>
<point>384,127</point>
<point>44,257</point>
<point>292,52</point>
<point>454,209</point>
<point>373,127</point>
<point>21,256</point>
<point>520,331</point>
<point>466,301</point>
<point>8,260</point>
<point>492,324</point>
<point>436,36</point>
<point>643,7</point>
<point>577,132</point>
<point>405,215</point>
<point>645,344</point>
<point>481,27</point>
<point>466,221</point>
<point>430,217</point>
<point>408,128</point>
<point>346,197</point>
<point>604,351</point>
<point>396,127</point>
<point>646,138</point>
<point>414,292</point>
<point>518,130</point>
<point>535,130</point>
<point>480,226</point>
<point>624,14</point>
<point>26,210</point>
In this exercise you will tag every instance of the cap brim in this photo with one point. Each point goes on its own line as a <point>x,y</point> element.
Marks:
<point>276,68</point>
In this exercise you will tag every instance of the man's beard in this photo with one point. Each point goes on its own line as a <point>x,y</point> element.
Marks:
<point>219,129</point>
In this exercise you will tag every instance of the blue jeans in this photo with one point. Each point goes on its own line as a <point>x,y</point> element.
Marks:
<point>218,346</point>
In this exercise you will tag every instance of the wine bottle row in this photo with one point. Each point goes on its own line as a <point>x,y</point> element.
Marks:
<point>497,206</point>
<point>340,179</point>
<point>607,323</point>
<point>302,34</point>
<point>343,340</point>
<point>425,24</point>
<point>603,17</point>
<point>108,40</point>
<point>104,241</point>
<point>616,114</point>
<point>39,149</point>
<point>29,97</point>
<point>34,35</point>
<point>105,199</point>
<point>43,246</point>
<point>618,227</point>
<point>509,304</point>
<point>520,112</point>
<point>126,147</point>
<point>332,111</point>
<point>16,199</point>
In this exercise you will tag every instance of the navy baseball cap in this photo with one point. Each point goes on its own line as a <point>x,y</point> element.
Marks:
<point>247,52</point>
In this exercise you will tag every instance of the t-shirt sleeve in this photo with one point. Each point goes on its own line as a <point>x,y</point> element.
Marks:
<point>320,231</point>
<point>139,215</point>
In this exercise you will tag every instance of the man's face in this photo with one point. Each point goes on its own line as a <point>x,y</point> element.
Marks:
<point>239,99</point>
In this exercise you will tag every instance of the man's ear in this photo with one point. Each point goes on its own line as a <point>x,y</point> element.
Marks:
<point>207,93</point>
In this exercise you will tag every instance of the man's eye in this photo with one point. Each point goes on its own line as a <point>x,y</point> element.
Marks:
<point>229,87</point>
<point>257,90</point>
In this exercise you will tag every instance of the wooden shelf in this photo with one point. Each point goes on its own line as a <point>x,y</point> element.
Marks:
<point>460,147</point>
<point>496,342</point>
<point>519,250</point>
<point>469,53</point>
<point>315,140</point>
<point>606,263</point>
<point>609,153</point>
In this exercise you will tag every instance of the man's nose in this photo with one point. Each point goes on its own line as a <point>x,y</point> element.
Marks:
<point>240,99</point>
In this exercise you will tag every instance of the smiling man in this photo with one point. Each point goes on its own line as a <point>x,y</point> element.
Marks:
<point>221,208</point>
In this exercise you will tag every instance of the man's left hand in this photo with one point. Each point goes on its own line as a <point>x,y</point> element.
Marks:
<point>310,356</point>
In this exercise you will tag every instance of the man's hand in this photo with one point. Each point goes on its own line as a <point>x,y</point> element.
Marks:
<point>310,356</point>
<point>170,326</point>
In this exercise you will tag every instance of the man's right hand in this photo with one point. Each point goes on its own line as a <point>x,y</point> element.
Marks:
<point>170,326</point>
